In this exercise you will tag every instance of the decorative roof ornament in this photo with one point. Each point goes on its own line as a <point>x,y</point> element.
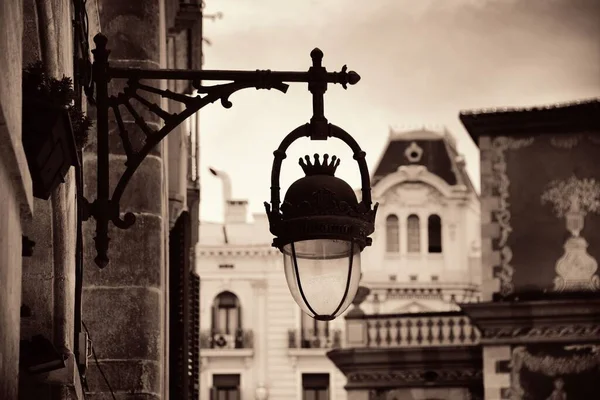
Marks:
<point>319,168</point>
<point>413,152</point>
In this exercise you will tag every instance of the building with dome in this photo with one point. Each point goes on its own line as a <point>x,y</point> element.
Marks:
<point>257,343</point>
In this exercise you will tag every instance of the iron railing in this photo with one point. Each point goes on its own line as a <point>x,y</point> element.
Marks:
<point>309,339</point>
<point>215,339</point>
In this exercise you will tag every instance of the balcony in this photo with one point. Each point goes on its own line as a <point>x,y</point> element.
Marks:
<point>411,330</point>
<point>305,343</point>
<point>390,351</point>
<point>217,345</point>
<point>298,339</point>
<point>214,339</point>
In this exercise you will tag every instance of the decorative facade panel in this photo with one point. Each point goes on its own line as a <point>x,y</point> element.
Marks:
<point>549,201</point>
<point>555,372</point>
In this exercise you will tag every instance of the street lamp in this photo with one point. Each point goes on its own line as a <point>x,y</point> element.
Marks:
<point>321,228</point>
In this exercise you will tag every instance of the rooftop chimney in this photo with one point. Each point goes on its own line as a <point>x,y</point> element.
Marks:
<point>235,211</point>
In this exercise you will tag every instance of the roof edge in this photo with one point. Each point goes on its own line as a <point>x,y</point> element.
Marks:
<point>563,118</point>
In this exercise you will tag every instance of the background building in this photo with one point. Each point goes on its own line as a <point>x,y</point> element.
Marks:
<point>535,332</point>
<point>424,259</point>
<point>425,255</point>
<point>254,336</point>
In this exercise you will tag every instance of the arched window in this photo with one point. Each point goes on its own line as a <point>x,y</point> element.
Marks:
<point>413,234</point>
<point>434,233</point>
<point>392,232</point>
<point>227,314</point>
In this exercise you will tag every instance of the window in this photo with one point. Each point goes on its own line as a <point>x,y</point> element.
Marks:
<point>226,314</point>
<point>392,232</point>
<point>434,278</point>
<point>314,333</point>
<point>413,234</point>
<point>434,231</point>
<point>315,386</point>
<point>226,266</point>
<point>413,278</point>
<point>225,387</point>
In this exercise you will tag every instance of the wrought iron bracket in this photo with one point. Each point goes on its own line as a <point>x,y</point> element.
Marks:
<point>106,207</point>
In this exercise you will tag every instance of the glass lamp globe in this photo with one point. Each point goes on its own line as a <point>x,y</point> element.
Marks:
<point>323,275</point>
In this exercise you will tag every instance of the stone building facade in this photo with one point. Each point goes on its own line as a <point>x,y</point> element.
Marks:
<point>121,312</point>
<point>424,259</point>
<point>425,255</point>
<point>255,340</point>
<point>534,334</point>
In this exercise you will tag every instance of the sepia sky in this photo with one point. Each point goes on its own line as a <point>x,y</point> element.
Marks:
<point>421,62</point>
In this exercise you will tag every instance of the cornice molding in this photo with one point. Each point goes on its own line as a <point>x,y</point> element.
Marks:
<point>237,251</point>
<point>536,321</point>
<point>568,118</point>
<point>404,367</point>
<point>415,377</point>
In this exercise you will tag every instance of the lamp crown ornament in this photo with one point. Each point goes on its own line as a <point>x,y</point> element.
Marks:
<point>319,168</point>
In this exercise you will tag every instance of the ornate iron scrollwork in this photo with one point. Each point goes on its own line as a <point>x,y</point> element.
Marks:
<point>107,207</point>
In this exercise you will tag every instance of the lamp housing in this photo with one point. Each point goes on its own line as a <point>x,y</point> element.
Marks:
<point>321,229</point>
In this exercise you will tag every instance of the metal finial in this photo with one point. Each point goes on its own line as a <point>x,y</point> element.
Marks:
<point>317,56</point>
<point>100,40</point>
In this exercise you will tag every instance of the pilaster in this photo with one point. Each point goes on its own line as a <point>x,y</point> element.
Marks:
<point>123,303</point>
<point>261,329</point>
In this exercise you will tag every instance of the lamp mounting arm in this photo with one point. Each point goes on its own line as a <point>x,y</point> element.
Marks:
<point>154,123</point>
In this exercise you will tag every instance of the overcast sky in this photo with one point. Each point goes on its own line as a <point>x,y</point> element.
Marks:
<point>421,62</point>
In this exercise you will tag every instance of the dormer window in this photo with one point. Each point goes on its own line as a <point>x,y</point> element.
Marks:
<point>392,232</point>
<point>434,233</point>
<point>413,234</point>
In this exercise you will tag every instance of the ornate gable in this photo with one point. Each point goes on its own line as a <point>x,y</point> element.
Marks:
<point>434,151</point>
<point>412,194</point>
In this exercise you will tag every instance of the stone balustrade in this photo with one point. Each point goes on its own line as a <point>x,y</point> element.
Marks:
<point>411,330</point>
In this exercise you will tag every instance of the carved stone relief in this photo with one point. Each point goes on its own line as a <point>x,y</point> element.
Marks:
<point>571,141</point>
<point>565,142</point>
<point>417,376</point>
<point>554,373</point>
<point>555,332</point>
<point>413,195</point>
<point>572,199</point>
<point>413,152</point>
<point>502,215</point>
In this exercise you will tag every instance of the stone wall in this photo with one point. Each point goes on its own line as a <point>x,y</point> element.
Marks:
<point>496,372</point>
<point>49,275</point>
<point>123,304</point>
<point>16,199</point>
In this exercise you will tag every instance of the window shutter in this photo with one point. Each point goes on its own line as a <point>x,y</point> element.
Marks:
<point>194,336</point>
<point>181,336</point>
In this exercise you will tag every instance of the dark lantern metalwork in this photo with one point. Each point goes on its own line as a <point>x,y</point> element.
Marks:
<point>320,205</point>
<point>106,207</point>
<point>321,213</point>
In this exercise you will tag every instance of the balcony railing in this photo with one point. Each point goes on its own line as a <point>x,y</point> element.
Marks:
<point>215,339</point>
<point>307,339</point>
<point>411,330</point>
